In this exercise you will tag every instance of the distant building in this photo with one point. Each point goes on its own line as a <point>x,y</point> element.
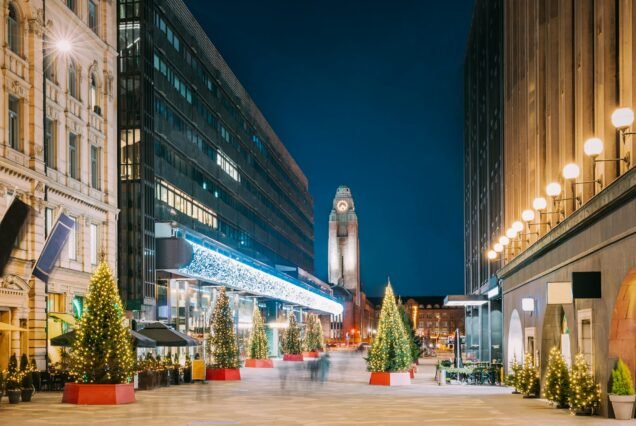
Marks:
<point>355,323</point>
<point>432,320</point>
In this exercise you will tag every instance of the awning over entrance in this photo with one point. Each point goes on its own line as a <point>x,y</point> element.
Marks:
<point>8,327</point>
<point>224,266</point>
<point>67,318</point>
<point>139,340</point>
<point>465,300</point>
<point>165,336</point>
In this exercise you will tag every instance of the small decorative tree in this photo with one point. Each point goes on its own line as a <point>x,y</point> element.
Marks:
<point>292,342</point>
<point>529,382</point>
<point>622,383</point>
<point>622,395</point>
<point>585,394</point>
<point>391,350</point>
<point>102,350</point>
<point>258,348</point>
<point>557,379</point>
<point>27,378</point>
<point>514,377</point>
<point>222,341</point>
<point>313,334</point>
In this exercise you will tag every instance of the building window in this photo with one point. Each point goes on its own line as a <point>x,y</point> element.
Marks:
<point>73,166</point>
<point>50,147</point>
<point>49,66</point>
<point>72,240</point>
<point>14,122</point>
<point>57,302</point>
<point>92,16</point>
<point>13,30</point>
<point>48,221</point>
<point>584,317</point>
<point>72,80</point>
<point>94,243</point>
<point>95,166</point>
<point>71,4</point>
<point>228,166</point>
<point>93,96</point>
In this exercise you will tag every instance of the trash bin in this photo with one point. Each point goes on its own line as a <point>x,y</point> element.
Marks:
<point>442,377</point>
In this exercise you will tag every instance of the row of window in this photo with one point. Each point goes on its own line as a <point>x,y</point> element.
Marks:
<point>168,32</point>
<point>73,243</point>
<point>208,81</point>
<point>184,167</point>
<point>180,86</point>
<point>183,203</point>
<point>174,123</point>
<point>50,145</point>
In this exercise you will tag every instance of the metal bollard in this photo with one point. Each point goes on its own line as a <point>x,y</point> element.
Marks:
<point>442,377</point>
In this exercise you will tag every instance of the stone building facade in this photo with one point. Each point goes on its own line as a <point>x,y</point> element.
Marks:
<point>569,183</point>
<point>66,163</point>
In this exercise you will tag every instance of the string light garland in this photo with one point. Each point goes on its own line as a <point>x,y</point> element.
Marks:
<point>102,351</point>
<point>213,266</point>
<point>391,350</point>
<point>222,345</point>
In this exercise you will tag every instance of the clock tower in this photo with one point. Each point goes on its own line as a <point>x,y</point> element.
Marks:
<point>344,247</point>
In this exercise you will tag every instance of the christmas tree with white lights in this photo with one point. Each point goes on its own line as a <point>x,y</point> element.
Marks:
<point>391,350</point>
<point>313,334</point>
<point>222,344</point>
<point>557,379</point>
<point>585,394</point>
<point>292,342</point>
<point>258,340</point>
<point>102,350</point>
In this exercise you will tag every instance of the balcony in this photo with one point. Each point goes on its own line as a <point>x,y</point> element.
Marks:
<point>15,64</point>
<point>96,121</point>
<point>74,106</point>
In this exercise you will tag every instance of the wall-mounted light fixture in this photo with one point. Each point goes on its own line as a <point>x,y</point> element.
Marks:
<point>527,304</point>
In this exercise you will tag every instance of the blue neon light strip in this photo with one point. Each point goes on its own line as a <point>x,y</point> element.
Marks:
<point>224,266</point>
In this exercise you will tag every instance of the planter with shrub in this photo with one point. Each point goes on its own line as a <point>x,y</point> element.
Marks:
<point>622,395</point>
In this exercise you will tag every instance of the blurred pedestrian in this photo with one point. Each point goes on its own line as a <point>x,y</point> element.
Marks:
<point>323,367</point>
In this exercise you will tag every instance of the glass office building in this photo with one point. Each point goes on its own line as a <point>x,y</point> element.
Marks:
<point>197,156</point>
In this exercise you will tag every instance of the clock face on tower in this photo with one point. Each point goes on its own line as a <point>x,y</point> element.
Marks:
<point>342,206</point>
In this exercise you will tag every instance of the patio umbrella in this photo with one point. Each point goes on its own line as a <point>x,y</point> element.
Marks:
<point>166,336</point>
<point>139,340</point>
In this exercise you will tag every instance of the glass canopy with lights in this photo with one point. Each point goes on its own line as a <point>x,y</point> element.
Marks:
<point>223,266</point>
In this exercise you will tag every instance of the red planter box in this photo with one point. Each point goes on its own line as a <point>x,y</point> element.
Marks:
<point>312,354</point>
<point>223,374</point>
<point>293,357</point>
<point>390,379</point>
<point>88,394</point>
<point>259,363</point>
<point>412,373</point>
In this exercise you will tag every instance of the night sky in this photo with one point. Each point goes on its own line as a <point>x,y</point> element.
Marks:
<point>366,94</point>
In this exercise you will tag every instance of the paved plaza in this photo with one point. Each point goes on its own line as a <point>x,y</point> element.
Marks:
<point>286,396</point>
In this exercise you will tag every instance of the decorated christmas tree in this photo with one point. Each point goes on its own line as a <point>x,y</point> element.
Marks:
<point>529,382</point>
<point>415,343</point>
<point>102,350</point>
<point>292,342</point>
<point>585,394</point>
<point>222,344</point>
<point>557,379</point>
<point>313,334</point>
<point>391,350</point>
<point>258,340</point>
<point>514,378</point>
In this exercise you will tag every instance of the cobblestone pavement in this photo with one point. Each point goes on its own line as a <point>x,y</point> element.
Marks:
<point>285,396</point>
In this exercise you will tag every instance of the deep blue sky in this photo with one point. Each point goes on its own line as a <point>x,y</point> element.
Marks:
<point>366,94</point>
